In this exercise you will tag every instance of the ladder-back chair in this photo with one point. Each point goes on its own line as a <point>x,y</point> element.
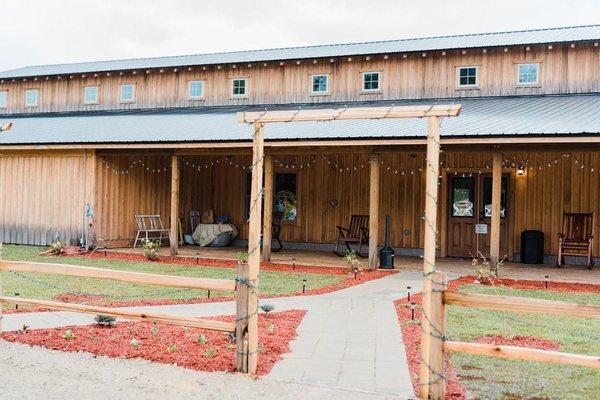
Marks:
<point>356,233</point>
<point>194,220</point>
<point>576,238</point>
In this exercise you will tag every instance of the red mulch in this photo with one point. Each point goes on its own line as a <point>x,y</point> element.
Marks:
<point>521,341</point>
<point>530,285</point>
<point>276,330</point>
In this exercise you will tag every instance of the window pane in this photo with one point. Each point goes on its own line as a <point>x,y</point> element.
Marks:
<point>467,76</point>
<point>487,197</point>
<point>91,94</point>
<point>528,73</point>
<point>3,98</point>
<point>319,83</point>
<point>462,197</point>
<point>239,87</point>
<point>371,81</point>
<point>286,195</point>
<point>196,89</point>
<point>127,93</point>
<point>31,97</point>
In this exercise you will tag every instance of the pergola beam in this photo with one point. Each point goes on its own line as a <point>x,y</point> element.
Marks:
<point>329,114</point>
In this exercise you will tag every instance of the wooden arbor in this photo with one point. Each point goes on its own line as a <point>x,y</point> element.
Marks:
<point>259,118</point>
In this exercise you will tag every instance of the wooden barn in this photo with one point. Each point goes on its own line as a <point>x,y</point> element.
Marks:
<point>93,145</point>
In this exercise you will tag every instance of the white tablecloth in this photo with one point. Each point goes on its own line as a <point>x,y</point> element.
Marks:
<point>206,233</point>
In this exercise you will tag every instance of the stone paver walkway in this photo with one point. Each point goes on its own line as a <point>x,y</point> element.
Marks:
<point>348,339</point>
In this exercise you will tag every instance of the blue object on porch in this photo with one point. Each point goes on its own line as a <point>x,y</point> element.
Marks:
<point>222,240</point>
<point>222,219</point>
<point>189,239</point>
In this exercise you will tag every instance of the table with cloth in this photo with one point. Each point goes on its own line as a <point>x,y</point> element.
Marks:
<point>204,234</point>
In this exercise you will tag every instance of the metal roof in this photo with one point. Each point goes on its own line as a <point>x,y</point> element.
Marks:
<point>493,116</point>
<point>535,36</point>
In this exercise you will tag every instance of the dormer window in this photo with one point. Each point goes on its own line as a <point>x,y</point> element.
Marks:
<point>127,93</point>
<point>238,87</point>
<point>196,90</point>
<point>3,98</point>
<point>90,95</point>
<point>31,97</point>
<point>371,81</point>
<point>528,74</point>
<point>467,77</point>
<point>319,84</point>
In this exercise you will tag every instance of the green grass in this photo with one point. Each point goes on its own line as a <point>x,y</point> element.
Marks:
<point>46,286</point>
<point>494,378</point>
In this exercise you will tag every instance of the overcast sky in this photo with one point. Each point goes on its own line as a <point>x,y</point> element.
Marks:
<point>60,31</point>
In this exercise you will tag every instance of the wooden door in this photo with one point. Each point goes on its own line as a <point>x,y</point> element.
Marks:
<point>470,199</point>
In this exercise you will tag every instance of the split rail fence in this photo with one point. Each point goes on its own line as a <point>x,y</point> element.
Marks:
<point>434,376</point>
<point>239,328</point>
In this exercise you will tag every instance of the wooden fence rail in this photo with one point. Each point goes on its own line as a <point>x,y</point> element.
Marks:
<point>239,327</point>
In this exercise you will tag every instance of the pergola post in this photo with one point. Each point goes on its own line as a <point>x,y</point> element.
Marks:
<point>432,372</point>
<point>495,221</point>
<point>173,235</point>
<point>90,194</point>
<point>373,210</point>
<point>268,212</point>
<point>254,229</point>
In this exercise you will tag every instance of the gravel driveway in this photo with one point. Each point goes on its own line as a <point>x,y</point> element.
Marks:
<point>38,373</point>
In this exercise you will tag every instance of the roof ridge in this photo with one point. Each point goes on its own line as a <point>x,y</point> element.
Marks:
<point>307,46</point>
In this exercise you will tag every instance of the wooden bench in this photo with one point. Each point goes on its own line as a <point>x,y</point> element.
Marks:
<point>577,237</point>
<point>150,226</point>
<point>356,233</point>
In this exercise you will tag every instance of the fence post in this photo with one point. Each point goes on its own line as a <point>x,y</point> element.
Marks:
<point>241,323</point>
<point>437,330</point>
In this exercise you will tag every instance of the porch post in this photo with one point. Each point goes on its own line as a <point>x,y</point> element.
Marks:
<point>495,225</point>
<point>90,195</point>
<point>373,210</point>
<point>254,245</point>
<point>173,237</point>
<point>432,376</point>
<point>268,212</point>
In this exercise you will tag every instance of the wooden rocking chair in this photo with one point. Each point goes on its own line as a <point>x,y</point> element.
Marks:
<point>577,237</point>
<point>276,230</point>
<point>356,233</point>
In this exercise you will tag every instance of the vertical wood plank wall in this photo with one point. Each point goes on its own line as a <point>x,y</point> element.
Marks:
<point>43,193</point>
<point>41,197</point>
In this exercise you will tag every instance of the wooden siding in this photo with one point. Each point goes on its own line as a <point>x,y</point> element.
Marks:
<point>563,69</point>
<point>41,197</point>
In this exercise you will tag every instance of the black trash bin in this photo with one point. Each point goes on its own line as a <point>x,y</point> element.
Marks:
<point>532,247</point>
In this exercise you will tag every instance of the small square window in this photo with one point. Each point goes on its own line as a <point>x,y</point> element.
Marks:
<point>238,87</point>
<point>196,90</point>
<point>90,94</point>
<point>127,93</point>
<point>467,76</point>
<point>31,97</point>
<point>370,81</point>
<point>528,74</point>
<point>3,98</point>
<point>320,84</point>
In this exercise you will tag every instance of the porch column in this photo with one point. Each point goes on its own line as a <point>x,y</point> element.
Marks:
<point>254,245</point>
<point>495,225</point>
<point>90,195</point>
<point>173,236</point>
<point>373,210</point>
<point>268,212</point>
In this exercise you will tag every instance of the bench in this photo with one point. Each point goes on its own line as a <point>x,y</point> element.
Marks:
<point>151,227</point>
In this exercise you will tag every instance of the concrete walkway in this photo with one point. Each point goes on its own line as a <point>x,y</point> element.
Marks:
<point>349,339</point>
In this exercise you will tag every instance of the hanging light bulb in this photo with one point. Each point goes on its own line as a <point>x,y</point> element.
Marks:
<point>521,170</point>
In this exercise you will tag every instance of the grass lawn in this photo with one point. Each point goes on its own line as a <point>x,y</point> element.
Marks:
<point>494,378</point>
<point>46,286</point>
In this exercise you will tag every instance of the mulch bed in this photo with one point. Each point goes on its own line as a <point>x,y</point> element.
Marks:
<point>169,344</point>
<point>411,330</point>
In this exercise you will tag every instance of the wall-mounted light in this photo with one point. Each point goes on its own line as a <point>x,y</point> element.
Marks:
<point>521,170</point>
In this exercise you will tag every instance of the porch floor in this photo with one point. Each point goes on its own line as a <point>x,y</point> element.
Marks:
<point>569,273</point>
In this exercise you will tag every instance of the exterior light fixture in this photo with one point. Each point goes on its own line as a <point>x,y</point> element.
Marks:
<point>521,170</point>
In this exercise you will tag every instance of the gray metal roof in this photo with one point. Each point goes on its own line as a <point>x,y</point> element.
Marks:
<point>526,115</point>
<point>536,36</point>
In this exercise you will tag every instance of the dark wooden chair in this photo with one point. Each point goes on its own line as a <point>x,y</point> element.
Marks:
<point>276,230</point>
<point>357,233</point>
<point>577,237</point>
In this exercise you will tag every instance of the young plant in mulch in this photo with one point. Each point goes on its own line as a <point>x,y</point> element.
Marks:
<point>23,329</point>
<point>483,270</point>
<point>202,339</point>
<point>155,329</point>
<point>172,348</point>
<point>354,266</point>
<point>105,320</point>
<point>210,352</point>
<point>151,249</point>
<point>57,248</point>
<point>68,335</point>
<point>135,343</point>
<point>242,257</point>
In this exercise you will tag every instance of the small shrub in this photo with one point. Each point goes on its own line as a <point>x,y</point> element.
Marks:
<point>270,327</point>
<point>351,259</point>
<point>242,257</point>
<point>172,348</point>
<point>482,268</point>
<point>105,320</point>
<point>155,329</point>
<point>230,346</point>
<point>261,349</point>
<point>68,335</point>
<point>135,343</point>
<point>58,247</point>
<point>151,249</point>
<point>267,308</point>
<point>23,329</point>
<point>202,339</point>
<point>210,352</point>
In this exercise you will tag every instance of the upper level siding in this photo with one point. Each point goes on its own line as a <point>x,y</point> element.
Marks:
<point>563,69</point>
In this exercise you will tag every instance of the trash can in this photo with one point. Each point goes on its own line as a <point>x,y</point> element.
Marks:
<point>532,247</point>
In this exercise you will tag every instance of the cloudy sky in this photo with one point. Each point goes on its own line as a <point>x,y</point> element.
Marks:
<point>58,31</point>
